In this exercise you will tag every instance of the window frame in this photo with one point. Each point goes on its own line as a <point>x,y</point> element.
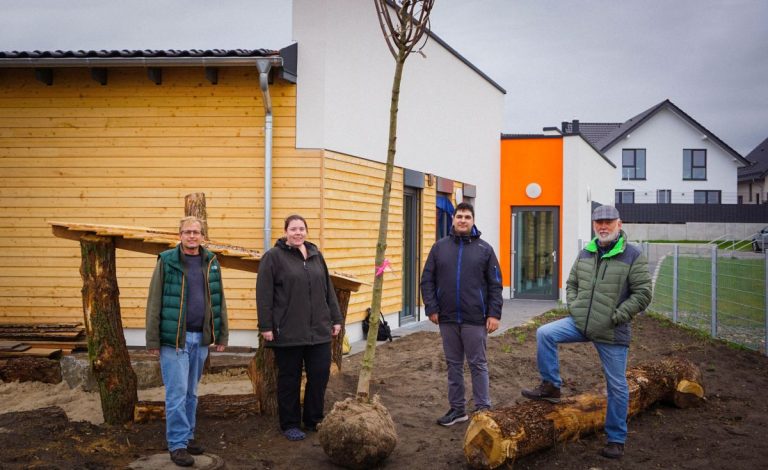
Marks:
<point>634,166</point>
<point>619,197</point>
<point>667,192</point>
<point>690,169</point>
<point>707,193</point>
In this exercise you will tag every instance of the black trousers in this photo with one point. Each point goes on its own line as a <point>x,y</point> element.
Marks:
<point>316,360</point>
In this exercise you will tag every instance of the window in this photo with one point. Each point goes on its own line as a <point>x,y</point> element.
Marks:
<point>625,196</point>
<point>706,197</point>
<point>663,196</point>
<point>694,164</point>
<point>444,215</point>
<point>633,164</point>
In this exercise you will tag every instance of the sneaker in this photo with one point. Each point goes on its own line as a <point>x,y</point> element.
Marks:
<point>194,447</point>
<point>452,417</point>
<point>294,434</point>
<point>612,450</point>
<point>545,391</point>
<point>182,458</point>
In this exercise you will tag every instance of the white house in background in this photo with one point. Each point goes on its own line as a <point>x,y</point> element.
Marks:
<point>665,156</point>
<point>753,180</point>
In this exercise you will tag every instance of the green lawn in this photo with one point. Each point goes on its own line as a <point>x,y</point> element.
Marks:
<point>740,289</point>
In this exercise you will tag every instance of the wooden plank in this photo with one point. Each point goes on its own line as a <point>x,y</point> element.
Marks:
<point>9,345</point>
<point>49,353</point>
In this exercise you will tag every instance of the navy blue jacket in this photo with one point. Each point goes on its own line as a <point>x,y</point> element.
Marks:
<point>461,281</point>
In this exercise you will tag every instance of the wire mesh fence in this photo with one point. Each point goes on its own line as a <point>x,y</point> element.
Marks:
<point>721,292</point>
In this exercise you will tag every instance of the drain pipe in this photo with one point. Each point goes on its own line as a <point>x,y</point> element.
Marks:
<point>263,68</point>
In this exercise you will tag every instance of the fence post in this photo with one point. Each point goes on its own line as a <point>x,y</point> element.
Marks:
<point>676,254</point>
<point>765,276</point>
<point>713,298</point>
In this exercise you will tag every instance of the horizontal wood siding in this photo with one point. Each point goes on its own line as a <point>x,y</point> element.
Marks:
<point>127,153</point>
<point>429,221</point>
<point>352,207</point>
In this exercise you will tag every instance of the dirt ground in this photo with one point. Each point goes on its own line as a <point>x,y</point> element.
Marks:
<point>727,432</point>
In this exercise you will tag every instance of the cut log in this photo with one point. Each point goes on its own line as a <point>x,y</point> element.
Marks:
<point>194,205</point>
<point>212,406</point>
<point>263,373</point>
<point>30,369</point>
<point>107,351</point>
<point>502,435</point>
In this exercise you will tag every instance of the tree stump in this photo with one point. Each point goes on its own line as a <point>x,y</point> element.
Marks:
<point>212,406</point>
<point>194,205</point>
<point>107,352</point>
<point>263,373</point>
<point>504,434</point>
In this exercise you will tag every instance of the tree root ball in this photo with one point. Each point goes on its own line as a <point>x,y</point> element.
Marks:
<point>357,434</point>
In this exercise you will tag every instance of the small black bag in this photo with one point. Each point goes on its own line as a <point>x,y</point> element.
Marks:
<point>384,333</point>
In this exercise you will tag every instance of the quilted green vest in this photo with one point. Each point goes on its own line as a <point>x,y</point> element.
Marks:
<point>173,315</point>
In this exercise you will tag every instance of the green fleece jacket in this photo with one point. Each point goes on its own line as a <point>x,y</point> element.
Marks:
<point>605,292</point>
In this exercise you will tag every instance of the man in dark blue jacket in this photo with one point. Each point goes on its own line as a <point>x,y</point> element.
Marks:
<point>461,286</point>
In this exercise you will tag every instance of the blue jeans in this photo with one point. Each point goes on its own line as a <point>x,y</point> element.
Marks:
<point>466,341</point>
<point>613,358</point>
<point>182,369</point>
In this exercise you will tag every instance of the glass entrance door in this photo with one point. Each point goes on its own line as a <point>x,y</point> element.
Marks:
<point>535,258</point>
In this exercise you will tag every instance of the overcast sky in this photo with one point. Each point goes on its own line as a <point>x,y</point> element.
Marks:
<point>592,60</point>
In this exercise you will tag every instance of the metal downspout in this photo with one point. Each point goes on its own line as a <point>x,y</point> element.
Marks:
<point>264,84</point>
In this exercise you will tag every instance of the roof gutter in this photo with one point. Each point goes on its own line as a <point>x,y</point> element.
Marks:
<point>56,62</point>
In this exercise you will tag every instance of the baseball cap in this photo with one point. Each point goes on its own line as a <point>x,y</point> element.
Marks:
<point>605,213</point>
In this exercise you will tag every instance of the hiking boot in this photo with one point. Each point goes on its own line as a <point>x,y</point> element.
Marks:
<point>545,391</point>
<point>182,458</point>
<point>452,417</point>
<point>612,450</point>
<point>194,447</point>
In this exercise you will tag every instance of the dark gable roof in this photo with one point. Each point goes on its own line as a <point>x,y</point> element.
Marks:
<point>759,158</point>
<point>627,127</point>
<point>125,53</point>
<point>593,132</point>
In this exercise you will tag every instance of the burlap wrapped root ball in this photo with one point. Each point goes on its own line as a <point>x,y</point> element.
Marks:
<point>358,435</point>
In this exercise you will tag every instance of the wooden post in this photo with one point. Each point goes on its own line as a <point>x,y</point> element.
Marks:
<point>107,352</point>
<point>194,205</point>
<point>337,343</point>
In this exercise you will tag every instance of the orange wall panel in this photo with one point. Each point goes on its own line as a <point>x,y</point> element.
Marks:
<point>524,161</point>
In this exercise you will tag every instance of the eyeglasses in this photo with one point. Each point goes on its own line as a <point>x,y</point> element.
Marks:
<point>191,232</point>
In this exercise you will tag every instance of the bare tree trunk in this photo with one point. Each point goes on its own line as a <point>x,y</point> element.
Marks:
<point>107,351</point>
<point>504,434</point>
<point>364,381</point>
<point>194,205</point>
<point>263,373</point>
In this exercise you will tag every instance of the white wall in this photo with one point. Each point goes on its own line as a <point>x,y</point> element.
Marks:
<point>587,177</point>
<point>450,117</point>
<point>664,136</point>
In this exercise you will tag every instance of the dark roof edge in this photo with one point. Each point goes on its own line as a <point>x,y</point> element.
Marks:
<point>466,62</point>
<point>598,151</point>
<point>208,61</point>
<point>453,51</point>
<point>684,115</point>
<point>529,136</point>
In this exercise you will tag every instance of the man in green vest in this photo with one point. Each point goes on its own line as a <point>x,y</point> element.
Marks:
<point>186,312</point>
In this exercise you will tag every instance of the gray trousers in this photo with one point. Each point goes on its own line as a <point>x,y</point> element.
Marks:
<point>460,341</point>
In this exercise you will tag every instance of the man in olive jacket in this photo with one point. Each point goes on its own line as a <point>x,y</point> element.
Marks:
<point>609,284</point>
<point>186,312</point>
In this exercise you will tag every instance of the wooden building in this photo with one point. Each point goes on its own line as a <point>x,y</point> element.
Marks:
<point>120,138</point>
